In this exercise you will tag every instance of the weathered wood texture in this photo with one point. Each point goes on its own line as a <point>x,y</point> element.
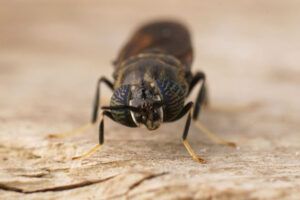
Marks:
<point>51,54</point>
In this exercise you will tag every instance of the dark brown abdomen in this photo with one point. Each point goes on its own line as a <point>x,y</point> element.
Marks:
<point>162,37</point>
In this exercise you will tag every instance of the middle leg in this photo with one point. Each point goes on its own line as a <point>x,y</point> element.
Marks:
<point>202,96</point>
<point>200,100</point>
<point>94,112</point>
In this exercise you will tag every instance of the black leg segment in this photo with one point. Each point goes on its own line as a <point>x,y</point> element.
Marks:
<point>97,97</point>
<point>101,127</point>
<point>202,94</point>
<point>187,108</point>
<point>199,101</point>
<point>199,76</point>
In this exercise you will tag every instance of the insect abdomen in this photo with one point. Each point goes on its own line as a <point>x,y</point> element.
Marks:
<point>161,37</point>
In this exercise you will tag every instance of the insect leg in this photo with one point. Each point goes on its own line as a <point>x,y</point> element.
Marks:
<point>199,76</point>
<point>101,138</point>
<point>202,94</point>
<point>236,108</point>
<point>94,113</point>
<point>198,103</point>
<point>188,109</point>
<point>97,97</point>
<point>72,132</point>
<point>212,136</point>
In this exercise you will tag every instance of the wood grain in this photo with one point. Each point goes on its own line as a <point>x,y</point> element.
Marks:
<point>52,53</point>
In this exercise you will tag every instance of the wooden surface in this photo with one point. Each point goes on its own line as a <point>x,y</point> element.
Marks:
<point>51,54</point>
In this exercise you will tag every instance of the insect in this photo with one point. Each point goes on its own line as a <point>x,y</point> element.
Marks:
<point>152,80</point>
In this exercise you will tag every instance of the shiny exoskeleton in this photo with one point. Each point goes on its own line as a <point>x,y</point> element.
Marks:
<point>152,79</point>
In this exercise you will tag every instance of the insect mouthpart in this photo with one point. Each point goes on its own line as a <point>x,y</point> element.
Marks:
<point>149,114</point>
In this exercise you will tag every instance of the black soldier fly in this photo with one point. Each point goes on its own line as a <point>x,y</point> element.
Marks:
<point>152,80</point>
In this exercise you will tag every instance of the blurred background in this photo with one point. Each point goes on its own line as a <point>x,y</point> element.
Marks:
<point>59,48</point>
<point>53,52</point>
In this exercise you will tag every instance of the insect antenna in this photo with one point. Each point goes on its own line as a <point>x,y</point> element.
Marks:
<point>122,107</point>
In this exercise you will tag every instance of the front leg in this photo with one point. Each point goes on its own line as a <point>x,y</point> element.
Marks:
<point>188,109</point>
<point>101,137</point>
<point>97,97</point>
